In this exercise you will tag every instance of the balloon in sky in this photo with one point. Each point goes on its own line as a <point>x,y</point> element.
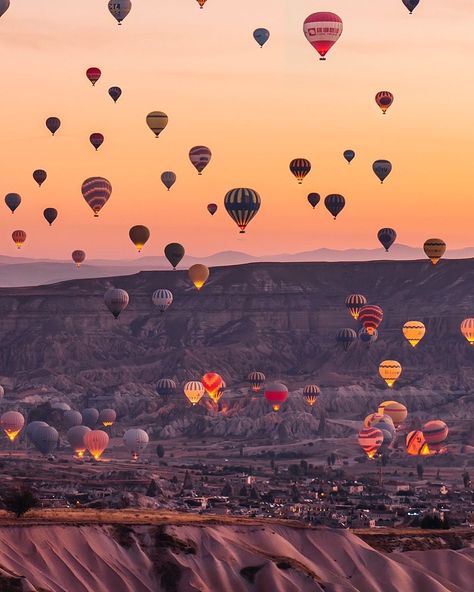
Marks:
<point>12,423</point>
<point>107,417</point>
<point>411,4</point>
<point>349,155</point>
<point>382,169</point>
<point>346,337</point>
<point>166,387</point>
<point>45,439</point>
<point>256,380</point>
<point>139,235</point>
<point>93,75</point>
<point>212,383</point>
<point>276,393</point>
<point>78,257</point>
<point>200,157</point>
<point>50,215</point>
<point>201,3</point>
<point>370,440</point>
<point>416,444</point>
<point>335,204</point>
<point>13,200</point>
<point>300,167</point>
<point>395,410</point>
<point>115,93</point>
<point>322,30</point>
<point>194,391</point>
<point>4,6</point>
<point>53,124</point>
<point>157,121</point>
<point>75,437</point>
<point>212,208</point>
<point>96,191</point>
<point>414,331</point>
<point>96,442</point>
<point>384,100</point>
<point>354,302</point>
<point>390,371</point>
<point>311,393</point>
<point>119,9</point>
<point>168,178</point>
<point>261,36</point>
<point>96,140</point>
<point>19,238</point>
<point>162,299</point>
<point>135,441</point>
<point>40,176</point>
<point>242,204</point>
<point>116,300</point>
<point>198,274</point>
<point>370,315</point>
<point>387,236</point>
<point>467,329</point>
<point>313,199</point>
<point>174,252</point>
<point>434,249</point>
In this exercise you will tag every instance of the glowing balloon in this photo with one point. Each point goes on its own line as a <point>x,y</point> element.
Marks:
<point>242,205</point>
<point>390,371</point>
<point>370,316</point>
<point>370,440</point>
<point>174,252</point>
<point>261,36</point>
<point>139,236</point>
<point>346,337</point>
<point>435,433</point>
<point>384,100</point>
<point>335,204</point>
<point>414,331</point>
<point>194,391</point>
<point>276,393</point>
<point>40,176</point>
<point>382,169</point>
<point>434,249</point>
<point>166,387</point>
<point>300,167</point>
<point>107,417</point>
<point>387,236</point>
<point>93,75</point>
<point>19,238</point>
<point>467,329</point>
<point>116,300</point>
<point>354,302</point>
<point>135,441</point>
<point>395,410</point>
<point>168,178</point>
<point>162,299</point>
<point>322,30</point>
<point>256,380</point>
<point>198,274</point>
<point>119,9</point>
<point>311,393</point>
<point>78,257</point>
<point>96,441</point>
<point>96,191</point>
<point>12,423</point>
<point>157,121</point>
<point>200,157</point>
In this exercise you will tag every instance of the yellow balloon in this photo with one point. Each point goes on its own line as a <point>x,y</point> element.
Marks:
<point>194,391</point>
<point>157,121</point>
<point>395,410</point>
<point>467,329</point>
<point>414,331</point>
<point>390,371</point>
<point>199,275</point>
<point>434,249</point>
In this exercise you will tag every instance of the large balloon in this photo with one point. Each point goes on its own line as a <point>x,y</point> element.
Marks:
<point>434,249</point>
<point>314,199</point>
<point>45,439</point>
<point>90,417</point>
<point>107,417</point>
<point>116,300</point>
<point>166,387</point>
<point>115,93</point>
<point>201,3</point>
<point>139,236</point>
<point>384,100</point>
<point>411,4</point>
<point>370,440</point>
<point>322,30</point>
<point>162,299</point>
<point>349,155</point>
<point>390,371</point>
<point>194,391</point>
<point>96,139</point>
<point>13,200</point>
<point>382,169</point>
<point>335,204</point>
<point>367,337</point>
<point>467,329</point>
<point>276,393</point>
<point>414,331</point>
<point>416,444</point>
<point>157,121</point>
<point>261,36</point>
<point>395,410</point>
<point>387,236</point>
<point>75,437</point>
<point>370,316</point>
<point>72,418</point>
<point>212,382</point>
<point>96,442</point>
<point>311,393</point>
<point>198,274</point>
<point>346,337</point>
<point>96,191</point>
<point>19,238</point>
<point>40,176</point>
<point>135,441</point>
<point>174,252</point>
<point>53,124</point>
<point>93,75</point>
<point>212,208</point>
<point>242,205</point>
<point>435,433</point>
<point>256,380</point>
<point>300,167</point>
<point>119,9</point>
<point>50,215</point>
<point>200,157</point>
<point>168,178</point>
<point>12,423</point>
<point>4,6</point>
<point>354,302</point>
<point>78,257</point>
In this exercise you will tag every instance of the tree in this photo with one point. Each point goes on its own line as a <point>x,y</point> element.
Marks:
<point>152,489</point>
<point>160,451</point>
<point>304,467</point>
<point>466,479</point>
<point>333,458</point>
<point>420,469</point>
<point>295,494</point>
<point>227,490</point>
<point>20,501</point>
<point>438,475</point>
<point>188,482</point>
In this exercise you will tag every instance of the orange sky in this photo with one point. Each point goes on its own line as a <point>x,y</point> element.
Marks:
<point>256,109</point>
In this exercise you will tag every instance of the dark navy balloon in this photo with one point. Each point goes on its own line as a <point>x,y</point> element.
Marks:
<point>40,176</point>
<point>335,204</point>
<point>314,199</point>
<point>349,155</point>
<point>13,200</point>
<point>261,36</point>
<point>382,168</point>
<point>115,92</point>
<point>387,236</point>
<point>53,124</point>
<point>50,215</point>
<point>346,338</point>
<point>411,4</point>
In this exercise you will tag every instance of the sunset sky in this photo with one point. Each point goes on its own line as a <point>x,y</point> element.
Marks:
<point>255,108</point>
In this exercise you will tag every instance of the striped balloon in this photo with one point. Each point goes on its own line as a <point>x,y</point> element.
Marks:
<point>335,204</point>
<point>435,433</point>
<point>346,337</point>
<point>96,441</point>
<point>19,238</point>
<point>372,418</point>
<point>467,329</point>
<point>168,178</point>
<point>78,257</point>
<point>354,302</point>
<point>157,121</point>
<point>242,204</point>
<point>382,169</point>
<point>395,410</point>
<point>93,75</point>
<point>414,331</point>
<point>311,393</point>
<point>370,316</point>
<point>194,391</point>
<point>256,380</point>
<point>416,444</point>
<point>276,393</point>
<point>116,301</point>
<point>434,249</point>
<point>300,167</point>
<point>13,200</point>
<point>96,139</point>
<point>349,155</point>
<point>166,387</point>
<point>200,157</point>
<point>96,191</point>
<point>387,236</point>
<point>370,440</point>
<point>384,100</point>
<point>212,208</point>
<point>163,299</point>
<point>390,371</point>
<point>119,9</point>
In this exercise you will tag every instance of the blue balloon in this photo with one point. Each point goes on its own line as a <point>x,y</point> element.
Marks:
<point>349,155</point>
<point>261,36</point>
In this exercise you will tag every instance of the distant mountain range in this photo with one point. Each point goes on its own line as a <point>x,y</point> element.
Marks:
<point>23,271</point>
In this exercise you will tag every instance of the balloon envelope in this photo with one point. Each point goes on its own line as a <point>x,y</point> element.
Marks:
<point>434,249</point>
<point>157,121</point>
<point>78,257</point>
<point>370,440</point>
<point>414,331</point>
<point>212,208</point>
<point>242,204</point>
<point>261,36</point>
<point>346,337</point>
<point>314,199</point>
<point>174,252</point>
<point>300,167</point>
<point>390,371</point>
<point>194,391</point>
<point>90,416</point>
<point>411,4</point>
<point>467,329</point>
<point>53,124</point>
<point>370,315</point>
<point>96,140</point>
<point>139,236</point>
<point>96,191</point>
<point>116,300</point>
<point>200,157</point>
<point>349,155</point>
<point>384,100</point>
<point>40,176</point>
<point>198,274</point>
<point>135,441</point>
<point>4,6</point>
<point>72,418</point>
<point>166,387</point>
<point>276,393</point>
<point>382,169</point>
<point>322,30</point>
<point>162,299</point>
<point>354,302</point>
<point>12,423</point>
<point>256,380</point>
<point>75,437</point>
<point>19,238</point>
<point>96,442</point>
<point>387,236</point>
<point>107,417</point>
<point>45,439</point>
<point>395,410</point>
<point>335,203</point>
<point>119,9</point>
<point>93,75</point>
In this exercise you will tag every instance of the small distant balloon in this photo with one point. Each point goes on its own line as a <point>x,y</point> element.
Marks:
<point>346,337</point>
<point>322,30</point>
<point>96,140</point>
<point>157,121</point>
<point>116,300</point>
<point>467,330</point>
<point>314,199</point>
<point>384,100</point>
<point>411,4</point>
<point>19,238</point>
<point>50,215</point>
<point>199,274</point>
<point>93,75</point>
<point>201,3</point>
<point>139,236</point>
<point>335,203</point>
<point>300,167</point>
<point>212,208</point>
<point>96,191</point>
<point>174,252</point>
<point>261,36</point>
<point>119,9</point>
<point>168,178</point>
<point>4,6</point>
<point>78,257</point>
<point>370,315</point>
<point>349,155</point>
<point>53,124</point>
<point>382,169</point>
<point>387,236</point>
<point>414,331</point>
<point>115,93</point>
<point>40,176</point>
<point>200,157</point>
<point>13,200</point>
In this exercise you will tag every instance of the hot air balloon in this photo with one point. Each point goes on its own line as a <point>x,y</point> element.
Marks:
<point>390,371</point>
<point>90,417</point>
<point>53,124</point>
<point>467,329</point>
<point>372,418</point>
<point>13,200</point>
<point>212,382</point>
<point>395,410</point>
<point>107,417</point>
<point>96,442</point>
<point>168,178</point>
<point>212,208</point>
<point>346,337</point>
<point>201,3</point>
<point>12,423</point>
<point>157,121</point>
<point>335,204</point>
<point>242,205</point>
<point>313,199</point>
<point>40,176</point>
<point>50,215</point>
<point>162,299</point>
<point>411,4</point>
<point>434,249</point>
<point>45,439</point>
<point>349,155</point>
<point>435,433</point>
<point>2,392</point>
<point>19,238</point>
<point>367,337</point>
<point>4,6</point>
<point>139,236</point>
<point>261,36</point>
<point>96,191</point>
<point>78,257</point>
<point>174,252</point>
<point>32,427</point>
<point>61,405</point>
<point>370,440</point>
<point>387,236</point>
<point>93,75</point>
<point>72,418</point>
<point>384,100</point>
<point>96,140</point>
<point>194,391</point>
<point>382,169</point>
<point>198,274</point>
<point>256,380</point>
<point>354,302</point>
<point>119,9</point>
<point>135,441</point>
<point>115,93</point>
<point>116,300</point>
<point>276,393</point>
<point>414,331</point>
<point>166,387</point>
<point>322,30</point>
<point>200,157</point>
<point>311,393</point>
<point>75,437</point>
<point>300,167</point>
<point>416,444</point>
<point>370,316</point>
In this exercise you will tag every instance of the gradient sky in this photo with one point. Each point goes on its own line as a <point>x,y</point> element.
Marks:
<point>256,109</point>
